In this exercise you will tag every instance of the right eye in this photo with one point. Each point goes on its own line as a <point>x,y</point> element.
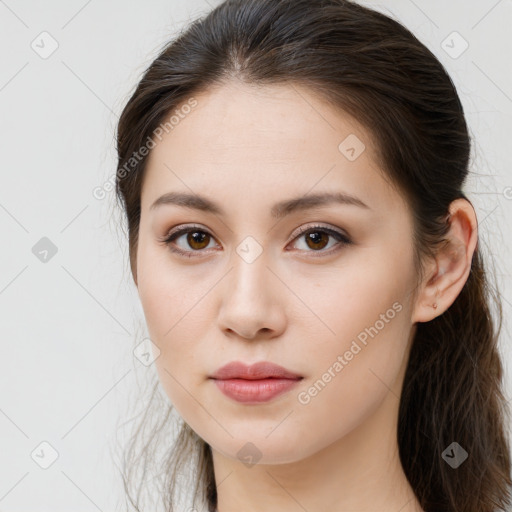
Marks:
<point>196,238</point>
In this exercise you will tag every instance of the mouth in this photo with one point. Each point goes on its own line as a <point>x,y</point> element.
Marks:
<point>257,383</point>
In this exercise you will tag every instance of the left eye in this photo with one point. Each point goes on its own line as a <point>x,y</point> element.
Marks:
<point>316,238</point>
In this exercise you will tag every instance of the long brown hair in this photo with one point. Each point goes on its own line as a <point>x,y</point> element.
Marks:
<point>371,67</point>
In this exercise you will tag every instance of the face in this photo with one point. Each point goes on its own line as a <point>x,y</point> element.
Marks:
<point>322,289</point>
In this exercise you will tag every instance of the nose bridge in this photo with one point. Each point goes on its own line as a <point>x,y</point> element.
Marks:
<point>249,302</point>
<point>249,277</point>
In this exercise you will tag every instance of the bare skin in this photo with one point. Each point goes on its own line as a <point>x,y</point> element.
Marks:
<point>297,304</point>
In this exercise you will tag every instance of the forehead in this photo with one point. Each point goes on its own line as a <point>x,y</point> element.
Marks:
<point>285,119</point>
<point>245,139</point>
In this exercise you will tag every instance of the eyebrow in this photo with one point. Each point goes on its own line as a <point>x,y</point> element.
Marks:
<point>279,210</point>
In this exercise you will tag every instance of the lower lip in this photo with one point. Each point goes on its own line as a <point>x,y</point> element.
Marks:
<point>254,391</point>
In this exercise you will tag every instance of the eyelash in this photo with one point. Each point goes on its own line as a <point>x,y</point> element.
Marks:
<point>342,239</point>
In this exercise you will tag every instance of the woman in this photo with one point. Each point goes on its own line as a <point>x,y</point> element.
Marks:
<point>292,174</point>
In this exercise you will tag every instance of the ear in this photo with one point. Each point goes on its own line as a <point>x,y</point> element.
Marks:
<point>450,269</point>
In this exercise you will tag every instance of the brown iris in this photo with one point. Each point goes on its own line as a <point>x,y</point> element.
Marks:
<point>316,238</point>
<point>196,238</point>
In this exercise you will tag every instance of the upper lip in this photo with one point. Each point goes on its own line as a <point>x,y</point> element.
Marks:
<point>261,370</point>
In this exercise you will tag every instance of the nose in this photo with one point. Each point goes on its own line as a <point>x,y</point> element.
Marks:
<point>251,305</point>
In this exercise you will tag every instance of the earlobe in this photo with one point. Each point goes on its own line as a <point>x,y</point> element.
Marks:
<point>428,302</point>
<point>452,264</point>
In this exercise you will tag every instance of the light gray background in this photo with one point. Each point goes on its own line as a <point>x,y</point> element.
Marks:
<point>68,325</point>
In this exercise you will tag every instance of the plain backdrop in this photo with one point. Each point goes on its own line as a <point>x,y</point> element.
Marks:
<point>69,314</point>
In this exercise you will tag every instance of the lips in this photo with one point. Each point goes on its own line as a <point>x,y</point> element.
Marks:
<point>254,384</point>
<point>257,371</point>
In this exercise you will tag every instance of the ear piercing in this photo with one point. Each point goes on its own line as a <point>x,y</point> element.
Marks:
<point>437,290</point>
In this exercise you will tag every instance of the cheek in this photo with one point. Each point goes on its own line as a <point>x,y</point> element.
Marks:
<point>164,291</point>
<point>353,372</point>
<point>175,312</point>
<point>359,356</point>
<point>367,344</point>
<point>168,320</point>
<point>367,296</point>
